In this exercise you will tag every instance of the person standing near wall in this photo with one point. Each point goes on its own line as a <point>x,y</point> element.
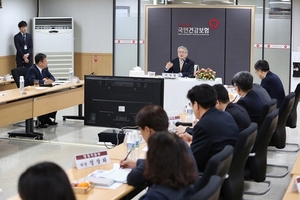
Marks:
<point>24,45</point>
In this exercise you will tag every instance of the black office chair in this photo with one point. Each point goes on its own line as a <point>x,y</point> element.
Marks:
<point>278,139</point>
<point>267,108</point>
<point>233,186</point>
<point>292,118</point>
<point>256,165</point>
<point>17,72</point>
<point>211,191</point>
<point>217,165</point>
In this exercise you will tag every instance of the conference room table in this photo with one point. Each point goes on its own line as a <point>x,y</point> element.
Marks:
<point>38,101</point>
<point>7,85</point>
<point>124,191</point>
<point>296,167</point>
<point>291,195</point>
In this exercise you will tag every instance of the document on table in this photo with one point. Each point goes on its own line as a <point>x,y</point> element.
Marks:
<point>117,175</point>
<point>60,82</point>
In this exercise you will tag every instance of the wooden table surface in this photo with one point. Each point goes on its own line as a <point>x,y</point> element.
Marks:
<point>289,195</point>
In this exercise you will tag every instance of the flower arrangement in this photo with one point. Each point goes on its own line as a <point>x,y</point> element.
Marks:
<point>205,74</point>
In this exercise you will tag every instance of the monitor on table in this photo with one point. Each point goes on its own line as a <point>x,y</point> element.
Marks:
<point>112,101</point>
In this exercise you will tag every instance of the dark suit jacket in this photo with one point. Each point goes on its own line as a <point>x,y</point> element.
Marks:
<point>34,73</point>
<point>160,192</point>
<point>19,44</point>
<point>240,115</point>
<point>136,177</point>
<point>187,67</point>
<point>274,87</point>
<point>261,92</point>
<point>211,134</point>
<point>253,104</point>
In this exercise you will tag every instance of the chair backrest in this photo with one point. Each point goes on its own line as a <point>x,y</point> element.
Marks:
<point>256,165</point>
<point>292,118</point>
<point>217,165</point>
<point>233,186</point>
<point>17,72</point>
<point>211,191</point>
<point>267,108</point>
<point>279,136</point>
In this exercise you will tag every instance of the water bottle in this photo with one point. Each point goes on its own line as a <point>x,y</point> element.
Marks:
<point>70,74</point>
<point>21,81</point>
<point>189,114</point>
<point>130,144</point>
<point>137,143</point>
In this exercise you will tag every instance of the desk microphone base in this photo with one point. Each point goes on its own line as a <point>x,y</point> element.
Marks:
<point>28,131</point>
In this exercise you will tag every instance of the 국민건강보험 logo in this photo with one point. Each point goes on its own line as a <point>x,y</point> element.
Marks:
<point>188,29</point>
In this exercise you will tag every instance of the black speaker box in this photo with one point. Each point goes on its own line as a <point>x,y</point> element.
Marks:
<point>115,136</point>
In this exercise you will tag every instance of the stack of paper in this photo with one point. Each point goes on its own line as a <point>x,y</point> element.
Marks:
<point>106,178</point>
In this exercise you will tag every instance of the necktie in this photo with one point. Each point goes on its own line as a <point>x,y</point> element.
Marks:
<point>24,38</point>
<point>180,65</point>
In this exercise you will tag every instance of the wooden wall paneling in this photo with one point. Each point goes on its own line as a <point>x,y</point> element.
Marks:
<point>6,64</point>
<point>86,63</point>
<point>104,65</point>
<point>82,65</point>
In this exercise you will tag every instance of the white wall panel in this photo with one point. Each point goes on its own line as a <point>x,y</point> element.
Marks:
<point>92,18</point>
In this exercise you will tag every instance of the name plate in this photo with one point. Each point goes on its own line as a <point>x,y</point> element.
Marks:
<point>86,160</point>
<point>174,119</point>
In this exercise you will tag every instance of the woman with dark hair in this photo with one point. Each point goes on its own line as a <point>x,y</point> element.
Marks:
<point>169,167</point>
<point>150,119</point>
<point>45,181</point>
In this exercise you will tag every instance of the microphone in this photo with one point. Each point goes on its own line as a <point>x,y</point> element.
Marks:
<point>183,124</point>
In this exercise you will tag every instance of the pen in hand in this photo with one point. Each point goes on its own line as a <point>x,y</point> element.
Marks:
<point>234,98</point>
<point>126,157</point>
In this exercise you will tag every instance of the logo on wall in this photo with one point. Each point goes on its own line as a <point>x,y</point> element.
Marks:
<point>188,29</point>
<point>214,23</point>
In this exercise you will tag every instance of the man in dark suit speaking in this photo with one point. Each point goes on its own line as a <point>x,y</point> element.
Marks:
<point>24,45</point>
<point>181,65</point>
<point>39,71</point>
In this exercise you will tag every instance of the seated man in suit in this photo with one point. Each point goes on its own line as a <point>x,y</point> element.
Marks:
<point>182,64</point>
<point>264,95</point>
<point>214,130</point>
<point>39,71</point>
<point>250,100</point>
<point>239,113</point>
<point>270,81</point>
<point>150,119</point>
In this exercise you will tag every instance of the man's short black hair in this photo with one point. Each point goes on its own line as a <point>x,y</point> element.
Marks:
<point>244,80</point>
<point>204,94</point>
<point>22,24</point>
<point>262,65</point>
<point>39,57</point>
<point>222,93</point>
